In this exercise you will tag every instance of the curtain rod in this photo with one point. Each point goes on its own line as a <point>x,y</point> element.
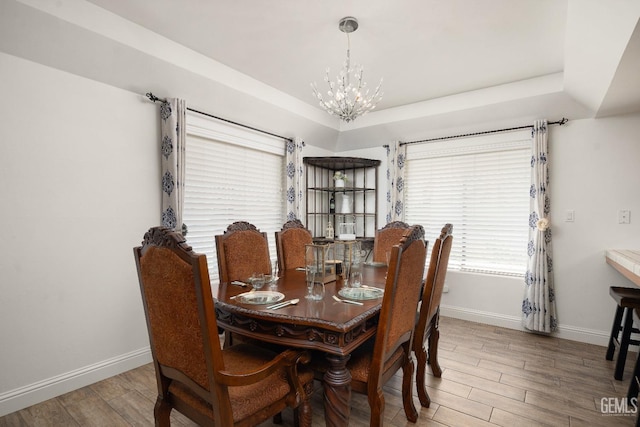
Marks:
<point>154,98</point>
<point>441,138</point>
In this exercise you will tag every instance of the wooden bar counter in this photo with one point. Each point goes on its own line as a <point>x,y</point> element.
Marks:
<point>626,261</point>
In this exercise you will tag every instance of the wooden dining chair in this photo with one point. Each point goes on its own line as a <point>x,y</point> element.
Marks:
<point>290,245</point>
<point>429,313</point>
<point>242,250</point>
<point>241,385</point>
<point>385,238</point>
<point>374,363</point>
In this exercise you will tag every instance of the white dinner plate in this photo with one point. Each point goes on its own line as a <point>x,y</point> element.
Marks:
<point>260,297</point>
<point>376,264</point>
<point>361,293</point>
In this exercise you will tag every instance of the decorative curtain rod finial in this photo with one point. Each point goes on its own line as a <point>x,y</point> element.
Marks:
<point>152,97</point>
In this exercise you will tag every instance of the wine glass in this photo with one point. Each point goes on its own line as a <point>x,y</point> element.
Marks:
<point>257,281</point>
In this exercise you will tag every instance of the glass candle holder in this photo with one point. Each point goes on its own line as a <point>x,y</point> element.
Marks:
<point>318,265</point>
<point>346,231</point>
<point>349,255</point>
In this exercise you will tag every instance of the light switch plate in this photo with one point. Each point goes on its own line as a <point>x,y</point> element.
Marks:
<point>624,216</point>
<point>570,216</point>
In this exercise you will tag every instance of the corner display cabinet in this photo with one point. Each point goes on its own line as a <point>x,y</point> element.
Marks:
<point>351,208</point>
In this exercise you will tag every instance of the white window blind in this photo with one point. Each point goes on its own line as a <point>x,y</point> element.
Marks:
<point>481,186</point>
<point>232,174</point>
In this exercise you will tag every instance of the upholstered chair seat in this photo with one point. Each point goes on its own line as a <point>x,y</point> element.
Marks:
<point>243,358</point>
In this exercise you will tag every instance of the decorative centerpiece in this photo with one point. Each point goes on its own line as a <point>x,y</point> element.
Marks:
<point>340,179</point>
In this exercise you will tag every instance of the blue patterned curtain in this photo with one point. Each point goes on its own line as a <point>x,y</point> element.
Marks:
<point>173,139</point>
<point>539,305</point>
<point>396,157</point>
<point>295,172</point>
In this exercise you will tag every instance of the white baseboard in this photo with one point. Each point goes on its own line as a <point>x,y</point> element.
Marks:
<point>564,331</point>
<point>20,398</point>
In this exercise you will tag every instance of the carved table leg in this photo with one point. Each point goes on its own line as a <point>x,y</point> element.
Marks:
<point>337,391</point>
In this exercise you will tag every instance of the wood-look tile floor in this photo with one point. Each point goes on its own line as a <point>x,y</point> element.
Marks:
<point>491,377</point>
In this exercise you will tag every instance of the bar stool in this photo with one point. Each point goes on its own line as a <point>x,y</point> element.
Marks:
<point>627,299</point>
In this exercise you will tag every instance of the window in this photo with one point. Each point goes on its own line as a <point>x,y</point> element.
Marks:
<point>481,186</point>
<point>232,174</point>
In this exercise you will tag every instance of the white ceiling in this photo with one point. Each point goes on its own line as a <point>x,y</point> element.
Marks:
<point>445,63</point>
<point>423,49</point>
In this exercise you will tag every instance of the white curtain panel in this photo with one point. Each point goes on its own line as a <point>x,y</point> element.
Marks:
<point>538,305</point>
<point>173,139</point>
<point>294,172</point>
<point>396,161</point>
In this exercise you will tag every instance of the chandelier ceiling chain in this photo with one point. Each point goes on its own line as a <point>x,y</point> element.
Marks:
<point>348,97</point>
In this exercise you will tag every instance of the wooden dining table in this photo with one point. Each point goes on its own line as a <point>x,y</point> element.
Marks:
<point>328,326</point>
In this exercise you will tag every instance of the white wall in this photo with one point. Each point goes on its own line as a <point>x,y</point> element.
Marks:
<point>594,172</point>
<point>79,175</point>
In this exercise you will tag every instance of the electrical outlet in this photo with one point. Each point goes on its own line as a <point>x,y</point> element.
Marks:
<point>624,216</point>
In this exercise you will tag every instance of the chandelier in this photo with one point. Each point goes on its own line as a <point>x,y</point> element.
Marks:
<point>348,97</point>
